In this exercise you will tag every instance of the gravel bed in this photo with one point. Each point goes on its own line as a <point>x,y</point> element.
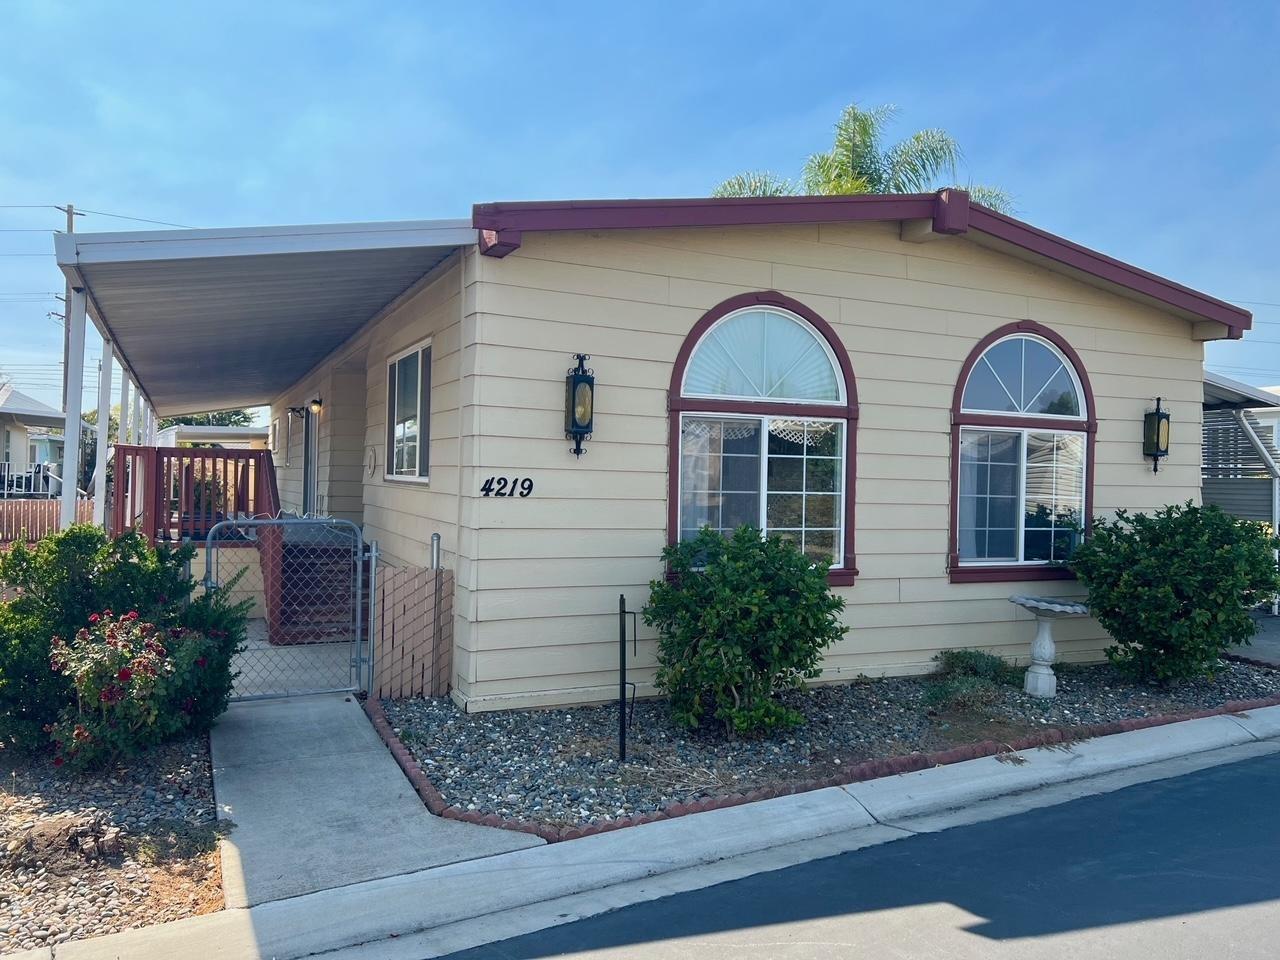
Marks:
<point>560,767</point>
<point>84,856</point>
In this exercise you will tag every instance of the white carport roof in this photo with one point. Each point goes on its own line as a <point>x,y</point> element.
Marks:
<point>1224,393</point>
<point>213,319</point>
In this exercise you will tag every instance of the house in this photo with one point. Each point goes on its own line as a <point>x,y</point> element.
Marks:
<point>926,392</point>
<point>30,444</point>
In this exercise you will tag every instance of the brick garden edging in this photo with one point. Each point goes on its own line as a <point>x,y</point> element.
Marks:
<point>866,770</point>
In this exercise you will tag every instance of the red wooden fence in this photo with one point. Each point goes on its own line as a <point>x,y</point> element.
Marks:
<point>179,493</point>
<point>33,519</point>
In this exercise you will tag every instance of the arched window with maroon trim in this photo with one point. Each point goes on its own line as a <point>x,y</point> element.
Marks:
<point>764,411</point>
<point>1021,457</point>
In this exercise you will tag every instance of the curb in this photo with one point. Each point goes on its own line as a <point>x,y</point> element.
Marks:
<point>858,773</point>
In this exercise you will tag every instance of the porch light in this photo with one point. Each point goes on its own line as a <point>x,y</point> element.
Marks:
<point>579,403</point>
<point>1155,435</point>
<point>315,406</point>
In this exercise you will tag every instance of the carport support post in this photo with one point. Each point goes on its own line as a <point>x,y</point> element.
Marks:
<point>73,379</point>
<point>135,421</point>
<point>104,422</point>
<point>122,428</point>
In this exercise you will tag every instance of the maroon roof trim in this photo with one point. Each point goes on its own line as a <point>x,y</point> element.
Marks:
<point>848,410</point>
<point>950,210</point>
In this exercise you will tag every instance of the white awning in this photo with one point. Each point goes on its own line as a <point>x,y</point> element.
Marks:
<point>214,319</point>
<point>1224,393</point>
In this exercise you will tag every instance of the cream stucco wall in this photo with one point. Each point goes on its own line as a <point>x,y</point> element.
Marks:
<point>538,578</point>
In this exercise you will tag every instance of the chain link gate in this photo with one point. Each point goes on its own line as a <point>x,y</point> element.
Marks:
<point>307,580</point>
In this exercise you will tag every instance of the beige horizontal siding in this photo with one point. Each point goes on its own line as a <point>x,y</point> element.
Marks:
<point>548,569</point>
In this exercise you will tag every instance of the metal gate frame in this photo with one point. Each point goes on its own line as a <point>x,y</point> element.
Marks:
<point>360,666</point>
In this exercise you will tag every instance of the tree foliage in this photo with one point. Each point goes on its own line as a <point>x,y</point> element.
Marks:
<point>741,619</point>
<point>1174,588</point>
<point>860,162</point>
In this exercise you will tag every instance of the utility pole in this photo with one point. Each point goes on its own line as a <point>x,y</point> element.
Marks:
<point>70,211</point>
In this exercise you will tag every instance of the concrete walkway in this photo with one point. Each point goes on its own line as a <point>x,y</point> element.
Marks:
<point>318,802</point>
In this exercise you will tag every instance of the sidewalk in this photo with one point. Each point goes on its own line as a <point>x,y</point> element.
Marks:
<point>318,802</point>
<point>435,911</point>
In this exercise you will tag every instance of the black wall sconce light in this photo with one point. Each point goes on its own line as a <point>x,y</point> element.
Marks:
<point>315,406</point>
<point>1155,435</point>
<point>579,403</point>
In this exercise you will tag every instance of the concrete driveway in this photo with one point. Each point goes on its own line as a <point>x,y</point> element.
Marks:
<point>318,802</point>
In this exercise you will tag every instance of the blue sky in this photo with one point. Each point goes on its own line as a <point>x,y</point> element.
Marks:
<point>1149,131</point>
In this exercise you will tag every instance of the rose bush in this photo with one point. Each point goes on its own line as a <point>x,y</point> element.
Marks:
<point>136,684</point>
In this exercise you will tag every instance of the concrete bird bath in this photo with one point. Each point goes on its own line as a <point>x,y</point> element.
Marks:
<point>1040,681</point>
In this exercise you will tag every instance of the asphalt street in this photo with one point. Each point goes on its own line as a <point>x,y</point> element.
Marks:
<point>1181,868</point>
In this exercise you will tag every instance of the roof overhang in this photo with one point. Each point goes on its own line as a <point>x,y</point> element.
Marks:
<point>924,216</point>
<point>214,319</point>
<point>1224,393</point>
<point>206,433</point>
<point>34,418</point>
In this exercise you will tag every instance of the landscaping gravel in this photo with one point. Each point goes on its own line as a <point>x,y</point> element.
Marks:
<point>560,767</point>
<point>84,856</point>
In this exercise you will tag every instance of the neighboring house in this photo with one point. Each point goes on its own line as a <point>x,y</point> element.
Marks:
<point>928,393</point>
<point>1240,468</point>
<point>235,438</point>
<point>30,438</point>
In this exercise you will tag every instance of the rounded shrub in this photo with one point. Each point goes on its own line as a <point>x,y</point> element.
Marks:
<point>740,619</point>
<point>1174,587</point>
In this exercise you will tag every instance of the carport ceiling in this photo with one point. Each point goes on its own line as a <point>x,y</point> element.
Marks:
<point>214,319</point>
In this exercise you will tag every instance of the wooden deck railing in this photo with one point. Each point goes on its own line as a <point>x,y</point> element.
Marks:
<point>33,519</point>
<point>172,494</point>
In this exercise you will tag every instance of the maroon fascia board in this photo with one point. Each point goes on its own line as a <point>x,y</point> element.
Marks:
<point>950,210</point>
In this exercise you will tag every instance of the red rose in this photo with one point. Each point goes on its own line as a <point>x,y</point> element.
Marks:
<point>131,615</point>
<point>94,618</point>
<point>58,761</point>
<point>125,675</point>
<point>201,662</point>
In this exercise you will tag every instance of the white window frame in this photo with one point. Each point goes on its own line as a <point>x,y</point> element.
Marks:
<point>424,422</point>
<point>274,445</point>
<point>763,419</point>
<point>1066,363</point>
<point>1019,535</point>
<point>841,387</point>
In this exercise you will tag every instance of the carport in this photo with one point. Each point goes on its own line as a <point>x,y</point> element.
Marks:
<point>203,320</point>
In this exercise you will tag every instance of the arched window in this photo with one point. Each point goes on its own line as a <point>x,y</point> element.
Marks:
<point>1021,449</point>
<point>763,410</point>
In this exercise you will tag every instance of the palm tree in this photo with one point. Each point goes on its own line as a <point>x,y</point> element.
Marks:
<point>858,162</point>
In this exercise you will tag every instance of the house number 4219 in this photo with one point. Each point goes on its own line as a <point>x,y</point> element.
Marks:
<point>507,487</point>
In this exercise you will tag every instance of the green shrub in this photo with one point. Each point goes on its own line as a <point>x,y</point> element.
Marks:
<point>979,664</point>
<point>1174,588</point>
<point>64,578</point>
<point>962,693</point>
<point>30,693</point>
<point>740,620</point>
<point>67,578</point>
<point>968,680</point>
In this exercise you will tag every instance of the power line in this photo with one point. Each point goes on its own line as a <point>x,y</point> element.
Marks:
<point>121,216</point>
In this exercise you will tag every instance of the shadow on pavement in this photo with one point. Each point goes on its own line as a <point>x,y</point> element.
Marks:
<point>1195,843</point>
